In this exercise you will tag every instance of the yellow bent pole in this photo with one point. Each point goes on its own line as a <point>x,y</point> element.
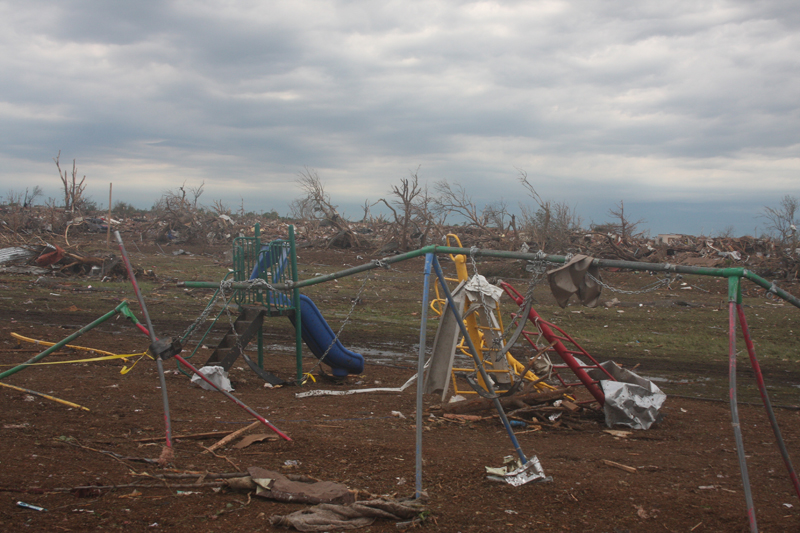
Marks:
<point>57,400</point>
<point>121,308</point>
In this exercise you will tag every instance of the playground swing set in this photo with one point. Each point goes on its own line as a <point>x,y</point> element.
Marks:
<point>480,340</point>
<point>265,283</point>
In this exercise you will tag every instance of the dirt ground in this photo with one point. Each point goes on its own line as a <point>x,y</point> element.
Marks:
<point>686,475</point>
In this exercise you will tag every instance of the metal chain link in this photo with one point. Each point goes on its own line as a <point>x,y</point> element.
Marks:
<point>345,321</point>
<point>537,267</point>
<point>489,319</point>
<point>225,284</point>
<point>664,282</point>
<point>378,262</point>
<point>497,339</point>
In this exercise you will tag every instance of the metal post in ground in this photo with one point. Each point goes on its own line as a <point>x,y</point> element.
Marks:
<point>423,330</point>
<point>298,319</point>
<point>762,389</point>
<point>734,297</point>
<point>159,362</point>
<point>478,363</point>
<point>260,333</point>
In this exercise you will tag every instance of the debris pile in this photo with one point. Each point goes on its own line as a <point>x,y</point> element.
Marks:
<point>177,223</point>
<point>532,411</point>
<point>764,255</point>
<point>52,259</point>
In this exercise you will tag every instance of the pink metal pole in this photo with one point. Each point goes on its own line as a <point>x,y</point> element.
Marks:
<point>762,388</point>
<point>151,332</point>
<point>233,398</point>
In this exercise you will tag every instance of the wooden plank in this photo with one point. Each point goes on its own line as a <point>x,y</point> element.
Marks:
<point>621,466</point>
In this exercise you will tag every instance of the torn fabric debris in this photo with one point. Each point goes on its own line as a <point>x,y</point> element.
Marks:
<point>572,279</point>
<point>275,486</point>
<point>478,285</point>
<point>327,517</point>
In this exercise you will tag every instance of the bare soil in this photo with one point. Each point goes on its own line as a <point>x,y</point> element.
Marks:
<point>686,473</point>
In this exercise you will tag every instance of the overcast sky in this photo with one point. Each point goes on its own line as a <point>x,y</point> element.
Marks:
<point>686,110</point>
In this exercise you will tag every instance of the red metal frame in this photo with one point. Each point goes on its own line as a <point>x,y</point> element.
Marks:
<point>557,337</point>
<point>762,389</point>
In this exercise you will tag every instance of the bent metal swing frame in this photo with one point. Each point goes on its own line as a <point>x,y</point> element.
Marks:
<point>734,275</point>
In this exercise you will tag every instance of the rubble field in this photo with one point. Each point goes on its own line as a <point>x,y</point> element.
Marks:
<point>96,469</point>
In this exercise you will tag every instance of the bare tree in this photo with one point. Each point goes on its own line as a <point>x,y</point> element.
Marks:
<point>454,199</point>
<point>197,192</point>
<point>406,201</point>
<point>13,198</point>
<point>178,213</point>
<point>496,215</point>
<point>318,203</point>
<point>782,220</point>
<point>301,209</point>
<point>219,207</point>
<point>550,224</point>
<point>31,196</point>
<point>728,232</point>
<point>622,224</point>
<point>366,207</point>
<point>73,190</point>
<point>315,195</point>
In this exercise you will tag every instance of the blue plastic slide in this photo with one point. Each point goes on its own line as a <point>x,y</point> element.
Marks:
<point>317,334</point>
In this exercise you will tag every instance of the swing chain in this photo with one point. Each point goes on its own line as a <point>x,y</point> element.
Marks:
<point>227,307</point>
<point>356,300</point>
<point>658,284</point>
<point>538,268</point>
<point>496,342</point>
<point>225,284</point>
<point>186,335</point>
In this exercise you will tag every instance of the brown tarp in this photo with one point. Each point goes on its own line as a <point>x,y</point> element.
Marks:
<point>327,517</point>
<point>275,486</point>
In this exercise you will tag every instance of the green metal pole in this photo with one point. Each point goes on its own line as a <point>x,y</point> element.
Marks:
<point>737,272</point>
<point>771,287</point>
<point>60,344</point>
<point>298,320</point>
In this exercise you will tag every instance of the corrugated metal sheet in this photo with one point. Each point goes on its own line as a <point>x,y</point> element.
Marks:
<point>16,255</point>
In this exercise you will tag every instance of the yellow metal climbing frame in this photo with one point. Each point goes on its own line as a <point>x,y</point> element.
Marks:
<point>480,334</point>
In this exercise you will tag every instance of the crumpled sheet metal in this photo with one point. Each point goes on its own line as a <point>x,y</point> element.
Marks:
<point>632,401</point>
<point>516,474</point>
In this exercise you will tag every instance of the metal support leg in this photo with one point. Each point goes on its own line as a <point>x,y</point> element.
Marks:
<point>478,362</point>
<point>734,297</point>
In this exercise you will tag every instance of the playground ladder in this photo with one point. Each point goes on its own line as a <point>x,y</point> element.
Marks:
<point>239,335</point>
<point>558,337</point>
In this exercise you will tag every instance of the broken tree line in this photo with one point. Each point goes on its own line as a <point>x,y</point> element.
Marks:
<point>380,237</point>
